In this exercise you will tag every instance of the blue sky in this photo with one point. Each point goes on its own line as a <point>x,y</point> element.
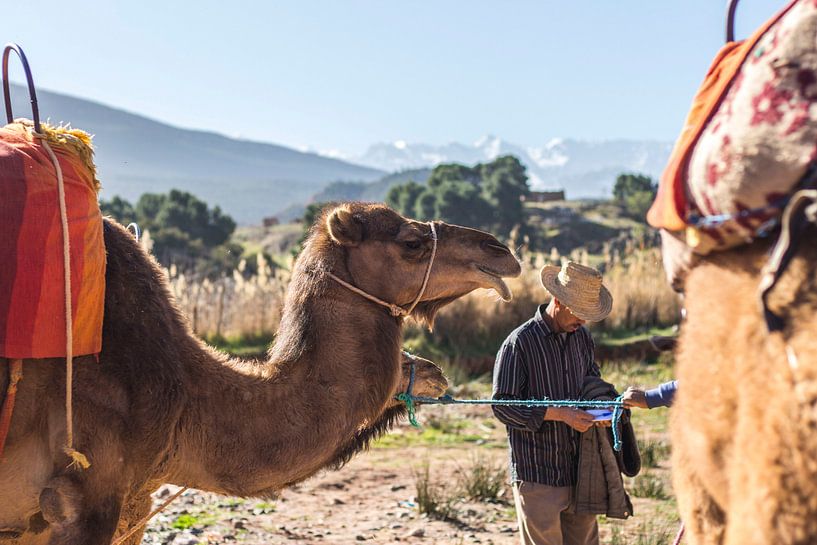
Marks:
<point>342,74</point>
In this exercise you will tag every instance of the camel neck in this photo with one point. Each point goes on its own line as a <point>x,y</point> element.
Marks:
<point>255,428</point>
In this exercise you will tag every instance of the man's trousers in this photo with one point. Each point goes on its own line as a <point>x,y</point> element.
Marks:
<point>540,510</point>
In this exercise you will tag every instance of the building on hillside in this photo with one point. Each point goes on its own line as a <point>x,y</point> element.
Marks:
<point>546,196</point>
<point>558,216</point>
<point>271,221</point>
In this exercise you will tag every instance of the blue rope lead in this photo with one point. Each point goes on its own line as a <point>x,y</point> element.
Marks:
<point>410,400</point>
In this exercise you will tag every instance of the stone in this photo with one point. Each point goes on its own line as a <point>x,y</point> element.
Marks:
<point>417,532</point>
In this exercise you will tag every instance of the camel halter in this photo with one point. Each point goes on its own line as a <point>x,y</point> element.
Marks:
<point>397,310</point>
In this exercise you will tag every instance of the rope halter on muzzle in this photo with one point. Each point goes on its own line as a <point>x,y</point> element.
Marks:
<point>397,310</point>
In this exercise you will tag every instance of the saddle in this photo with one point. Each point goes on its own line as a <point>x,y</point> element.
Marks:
<point>32,279</point>
<point>748,150</point>
<point>52,251</point>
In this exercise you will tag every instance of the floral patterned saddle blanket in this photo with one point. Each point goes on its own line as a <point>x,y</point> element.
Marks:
<point>748,144</point>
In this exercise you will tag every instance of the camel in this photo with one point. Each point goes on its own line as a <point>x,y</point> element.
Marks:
<point>160,406</point>
<point>744,422</point>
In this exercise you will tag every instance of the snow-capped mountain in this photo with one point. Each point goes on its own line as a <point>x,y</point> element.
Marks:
<point>582,168</point>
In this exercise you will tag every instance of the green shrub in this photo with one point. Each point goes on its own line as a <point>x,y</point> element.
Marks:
<point>432,499</point>
<point>647,533</point>
<point>649,486</point>
<point>185,522</point>
<point>482,480</point>
<point>653,452</point>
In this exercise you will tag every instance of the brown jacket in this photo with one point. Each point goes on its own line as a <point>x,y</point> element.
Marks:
<point>599,486</point>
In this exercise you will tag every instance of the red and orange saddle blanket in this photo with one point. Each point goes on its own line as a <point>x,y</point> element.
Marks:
<point>32,275</point>
<point>52,254</point>
<point>748,144</point>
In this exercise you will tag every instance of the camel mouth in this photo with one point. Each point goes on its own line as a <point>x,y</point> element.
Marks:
<point>496,283</point>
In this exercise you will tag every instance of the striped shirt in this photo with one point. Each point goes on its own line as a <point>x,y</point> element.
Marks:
<point>534,362</point>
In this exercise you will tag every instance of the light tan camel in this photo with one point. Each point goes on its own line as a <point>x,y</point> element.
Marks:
<point>162,407</point>
<point>744,423</point>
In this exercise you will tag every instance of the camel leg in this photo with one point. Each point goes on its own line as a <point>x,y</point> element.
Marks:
<point>136,508</point>
<point>704,519</point>
<point>703,515</point>
<point>73,517</point>
<point>83,506</point>
<point>75,520</point>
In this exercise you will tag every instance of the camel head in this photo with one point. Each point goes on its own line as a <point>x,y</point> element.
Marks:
<point>387,256</point>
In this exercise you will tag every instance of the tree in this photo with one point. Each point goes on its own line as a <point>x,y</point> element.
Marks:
<point>504,187</point>
<point>486,196</point>
<point>403,198</point>
<point>425,208</point>
<point>634,193</point>
<point>461,203</point>
<point>453,172</point>
<point>184,230</point>
<point>119,209</point>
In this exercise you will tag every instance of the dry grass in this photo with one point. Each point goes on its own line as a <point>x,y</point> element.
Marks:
<point>641,294</point>
<point>467,332</point>
<point>433,499</point>
<point>233,306</point>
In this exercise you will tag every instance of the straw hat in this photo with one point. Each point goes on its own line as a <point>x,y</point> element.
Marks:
<point>579,288</point>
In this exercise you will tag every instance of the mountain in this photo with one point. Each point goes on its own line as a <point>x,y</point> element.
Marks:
<point>370,191</point>
<point>582,168</point>
<point>357,191</point>
<point>136,155</point>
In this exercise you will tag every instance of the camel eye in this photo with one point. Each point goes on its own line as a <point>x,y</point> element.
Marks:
<point>412,244</point>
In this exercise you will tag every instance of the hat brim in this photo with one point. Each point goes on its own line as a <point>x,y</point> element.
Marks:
<point>590,313</point>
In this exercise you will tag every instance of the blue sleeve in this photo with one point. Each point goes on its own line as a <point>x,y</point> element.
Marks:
<point>511,382</point>
<point>661,396</point>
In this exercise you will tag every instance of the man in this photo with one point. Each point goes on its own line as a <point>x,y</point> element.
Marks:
<point>549,356</point>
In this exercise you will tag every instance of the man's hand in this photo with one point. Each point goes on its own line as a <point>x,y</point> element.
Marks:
<point>577,419</point>
<point>634,397</point>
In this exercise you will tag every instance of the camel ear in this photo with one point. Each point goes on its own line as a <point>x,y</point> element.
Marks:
<point>345,227</point>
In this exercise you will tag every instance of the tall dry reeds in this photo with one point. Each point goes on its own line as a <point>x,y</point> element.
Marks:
<point>233,306</point>
<point>641,295</point>
<point>469,331</point>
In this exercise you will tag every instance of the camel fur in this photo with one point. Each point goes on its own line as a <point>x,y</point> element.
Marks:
<point>160,406</point>
<point>744,422</point>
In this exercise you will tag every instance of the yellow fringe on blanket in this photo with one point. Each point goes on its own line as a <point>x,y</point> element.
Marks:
<point>75,141</point>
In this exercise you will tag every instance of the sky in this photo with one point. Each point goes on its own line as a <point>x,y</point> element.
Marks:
<point>341,75</point>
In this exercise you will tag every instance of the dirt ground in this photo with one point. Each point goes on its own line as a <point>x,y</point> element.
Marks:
<point>374,499</point>
<point>370,500</point>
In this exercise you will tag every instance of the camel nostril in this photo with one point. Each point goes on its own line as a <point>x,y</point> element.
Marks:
<point>494,247</point>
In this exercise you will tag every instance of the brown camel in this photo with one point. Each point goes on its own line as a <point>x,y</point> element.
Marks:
<point>160,406</point>
<point>744,423</point>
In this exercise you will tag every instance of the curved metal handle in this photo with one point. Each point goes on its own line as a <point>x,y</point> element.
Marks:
<point>35,111</point>
<point>731,8</point>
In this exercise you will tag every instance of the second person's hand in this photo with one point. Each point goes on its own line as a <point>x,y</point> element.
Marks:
<point>633,397</point>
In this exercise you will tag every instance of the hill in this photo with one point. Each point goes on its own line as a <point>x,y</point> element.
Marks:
<point>136,155</point>
<point>372,191</point>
